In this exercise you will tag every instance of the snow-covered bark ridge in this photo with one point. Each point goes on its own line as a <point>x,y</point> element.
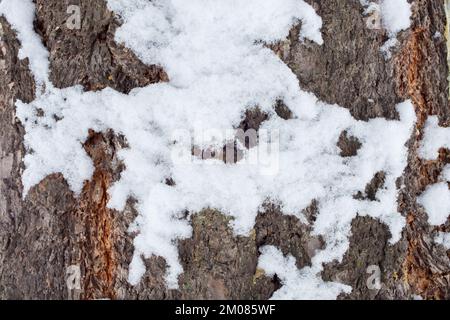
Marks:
<point>436,198</point>
<point>218,65</point>
<point>393,15</point>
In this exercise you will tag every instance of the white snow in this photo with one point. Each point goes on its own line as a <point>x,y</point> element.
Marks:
<point>443,239</point>
<point>387,47</point>
<point>446,173</point>
<point>395,17</point>
<point>435,138</point>
<point>436,201</point>
<point>436,198</point>
<point>20,14</point>
<point>395,14</point>
<point>218,68</point>
<point>297,284</point>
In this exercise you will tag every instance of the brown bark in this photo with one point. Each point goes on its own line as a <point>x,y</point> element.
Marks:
<point>50,230</point>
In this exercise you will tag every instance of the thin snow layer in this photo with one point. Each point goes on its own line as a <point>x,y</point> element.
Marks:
<point>395,17</point>
<point>443,239</point>
<point>218,68</point>
<point>435,138</point>
<point>297,284</point>
<point>20,14</point>
<point>436,199</point>
<point>446,173</point>
<point>395,14</point>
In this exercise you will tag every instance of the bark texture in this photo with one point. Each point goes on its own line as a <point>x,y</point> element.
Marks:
<point>50,231</point>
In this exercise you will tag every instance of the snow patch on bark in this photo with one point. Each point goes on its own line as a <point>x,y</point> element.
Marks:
<point>436,201</point>
<point>395,16</point>
<point>436,198</point>
<point>219,67</point>
<point>20,14</point>
<point>435,138</point>
<point>296,284</point>
<point>443,238</point>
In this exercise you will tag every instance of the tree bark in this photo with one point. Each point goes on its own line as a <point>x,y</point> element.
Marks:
<point>50,232</point>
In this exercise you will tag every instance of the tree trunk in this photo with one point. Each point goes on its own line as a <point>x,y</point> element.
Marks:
<point>46,237</point>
